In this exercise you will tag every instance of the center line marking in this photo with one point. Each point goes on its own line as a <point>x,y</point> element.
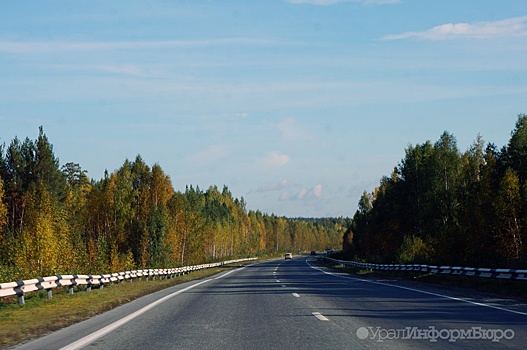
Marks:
<point>296,295</point>
<point>320,316</point>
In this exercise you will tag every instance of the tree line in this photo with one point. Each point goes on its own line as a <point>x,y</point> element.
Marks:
<point>441,206</point>
<point>56,220</point>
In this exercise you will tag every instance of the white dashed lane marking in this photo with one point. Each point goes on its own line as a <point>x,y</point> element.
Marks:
<point>320,316</point>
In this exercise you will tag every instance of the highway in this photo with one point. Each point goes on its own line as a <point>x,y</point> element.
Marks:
<point>298,304</point>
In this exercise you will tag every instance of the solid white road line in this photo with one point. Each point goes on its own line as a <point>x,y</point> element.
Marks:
<point>103,331</point>
<point>111,327</point>
<point>228,273</point>
<point>320,316</point>
<point>421,291</point>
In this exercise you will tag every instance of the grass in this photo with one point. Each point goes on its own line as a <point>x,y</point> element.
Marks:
<point>502,287</point>
<point>40,316</point>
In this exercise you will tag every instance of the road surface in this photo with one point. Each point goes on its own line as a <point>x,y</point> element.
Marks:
<point>298,304</point>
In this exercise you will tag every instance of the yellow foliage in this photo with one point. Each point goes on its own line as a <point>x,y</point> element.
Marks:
<point>3,207</point>
<point>37,253</point>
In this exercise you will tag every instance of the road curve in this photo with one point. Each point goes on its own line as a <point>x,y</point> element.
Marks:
<point>296,304</point>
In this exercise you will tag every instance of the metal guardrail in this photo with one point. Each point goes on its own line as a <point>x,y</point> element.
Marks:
<point>20,288</point>
<point>446,270</point>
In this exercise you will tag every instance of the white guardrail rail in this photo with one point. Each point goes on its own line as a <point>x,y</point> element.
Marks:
<point>20,288</point>
<point>446,270</point>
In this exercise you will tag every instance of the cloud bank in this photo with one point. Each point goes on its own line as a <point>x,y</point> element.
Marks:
<point>275,186</point>
<point>59,46</point>
<point>304,194</point>
<point>511,27</point>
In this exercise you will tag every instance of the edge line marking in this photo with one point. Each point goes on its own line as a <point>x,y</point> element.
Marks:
<point>422,291</point>
<point>90,338</point>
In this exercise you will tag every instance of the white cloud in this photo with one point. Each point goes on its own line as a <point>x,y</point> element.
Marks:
<point>275,186</point>
<point>479,30</point>
<point>290,130</point>
<point>209,155</point>
<point>301,194</point>
<point>274,160</point>
<point>242,115</point>
<point>129,69</point>
<point>56,46</point>
<point>284,196</point>
<point>317,191</point>
<point>304,194</point>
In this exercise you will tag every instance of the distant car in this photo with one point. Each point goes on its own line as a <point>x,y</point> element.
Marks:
<point>313,252</point>
<point>289,256</point>
<point>329,251</point>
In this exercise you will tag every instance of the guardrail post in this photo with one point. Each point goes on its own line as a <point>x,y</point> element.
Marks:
<point>70,281</point>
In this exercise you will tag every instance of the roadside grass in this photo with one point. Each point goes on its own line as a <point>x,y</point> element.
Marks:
<point>40,316</point>
<point>502,287</point>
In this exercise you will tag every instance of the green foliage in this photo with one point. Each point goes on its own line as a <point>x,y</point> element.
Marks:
<point>444,207</point>
<point>413,250</point>
<point>3,206</point>
<point>55,220</point>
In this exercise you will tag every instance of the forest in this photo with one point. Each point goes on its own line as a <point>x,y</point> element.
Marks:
<point>443,207</point>
<point>55,220</point>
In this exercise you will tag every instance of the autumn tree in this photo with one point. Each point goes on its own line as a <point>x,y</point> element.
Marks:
<point>3,224</point>
<point>508,206</point>
<point>56,220</point>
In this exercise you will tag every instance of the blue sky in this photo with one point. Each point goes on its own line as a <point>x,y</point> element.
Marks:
<point>298,106</point>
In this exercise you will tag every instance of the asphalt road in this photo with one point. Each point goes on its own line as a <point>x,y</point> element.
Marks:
<point>296,304</point>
